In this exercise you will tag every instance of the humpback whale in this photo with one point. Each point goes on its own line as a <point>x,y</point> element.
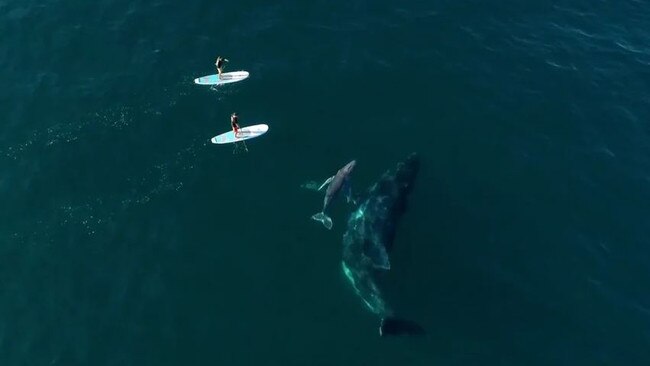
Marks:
<point>335,184</point>
<point>368,241</point>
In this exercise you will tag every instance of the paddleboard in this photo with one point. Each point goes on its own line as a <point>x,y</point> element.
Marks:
<point>245,133</point>
<point>226,78</point>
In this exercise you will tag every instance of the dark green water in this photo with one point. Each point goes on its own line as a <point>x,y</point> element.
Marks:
<point>128,239</point>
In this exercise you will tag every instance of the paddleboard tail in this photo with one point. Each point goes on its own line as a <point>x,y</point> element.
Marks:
<point>327,222</point>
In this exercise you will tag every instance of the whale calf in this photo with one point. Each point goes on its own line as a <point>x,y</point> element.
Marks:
<point>335,184</point>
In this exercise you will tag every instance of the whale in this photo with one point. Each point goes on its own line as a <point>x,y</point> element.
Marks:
<point>368,241</point>
<point>335,184</point>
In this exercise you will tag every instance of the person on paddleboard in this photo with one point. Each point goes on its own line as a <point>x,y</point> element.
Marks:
<point>234,123</point>
<point>219,64</point>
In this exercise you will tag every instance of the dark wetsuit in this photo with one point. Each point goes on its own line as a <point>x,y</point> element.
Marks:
<point>220,63</point>
<point>234,123</point>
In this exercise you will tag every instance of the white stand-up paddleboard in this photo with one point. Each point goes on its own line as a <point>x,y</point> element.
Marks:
<point>245,133</point>
<point>226,78</point>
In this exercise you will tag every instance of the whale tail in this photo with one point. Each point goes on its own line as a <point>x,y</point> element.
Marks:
<point>391,326</point>
<point>327,222</point>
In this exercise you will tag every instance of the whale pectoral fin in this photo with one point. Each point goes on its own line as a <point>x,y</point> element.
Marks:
<point>326,182</point>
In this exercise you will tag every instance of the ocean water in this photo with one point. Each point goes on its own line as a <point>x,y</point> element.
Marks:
<point>127,238</point>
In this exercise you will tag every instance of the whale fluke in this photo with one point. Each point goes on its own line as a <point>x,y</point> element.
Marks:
<point>393,326</point>
<point>322,217</point>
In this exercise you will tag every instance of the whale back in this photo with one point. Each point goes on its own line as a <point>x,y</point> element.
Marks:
<point>371,229</point>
